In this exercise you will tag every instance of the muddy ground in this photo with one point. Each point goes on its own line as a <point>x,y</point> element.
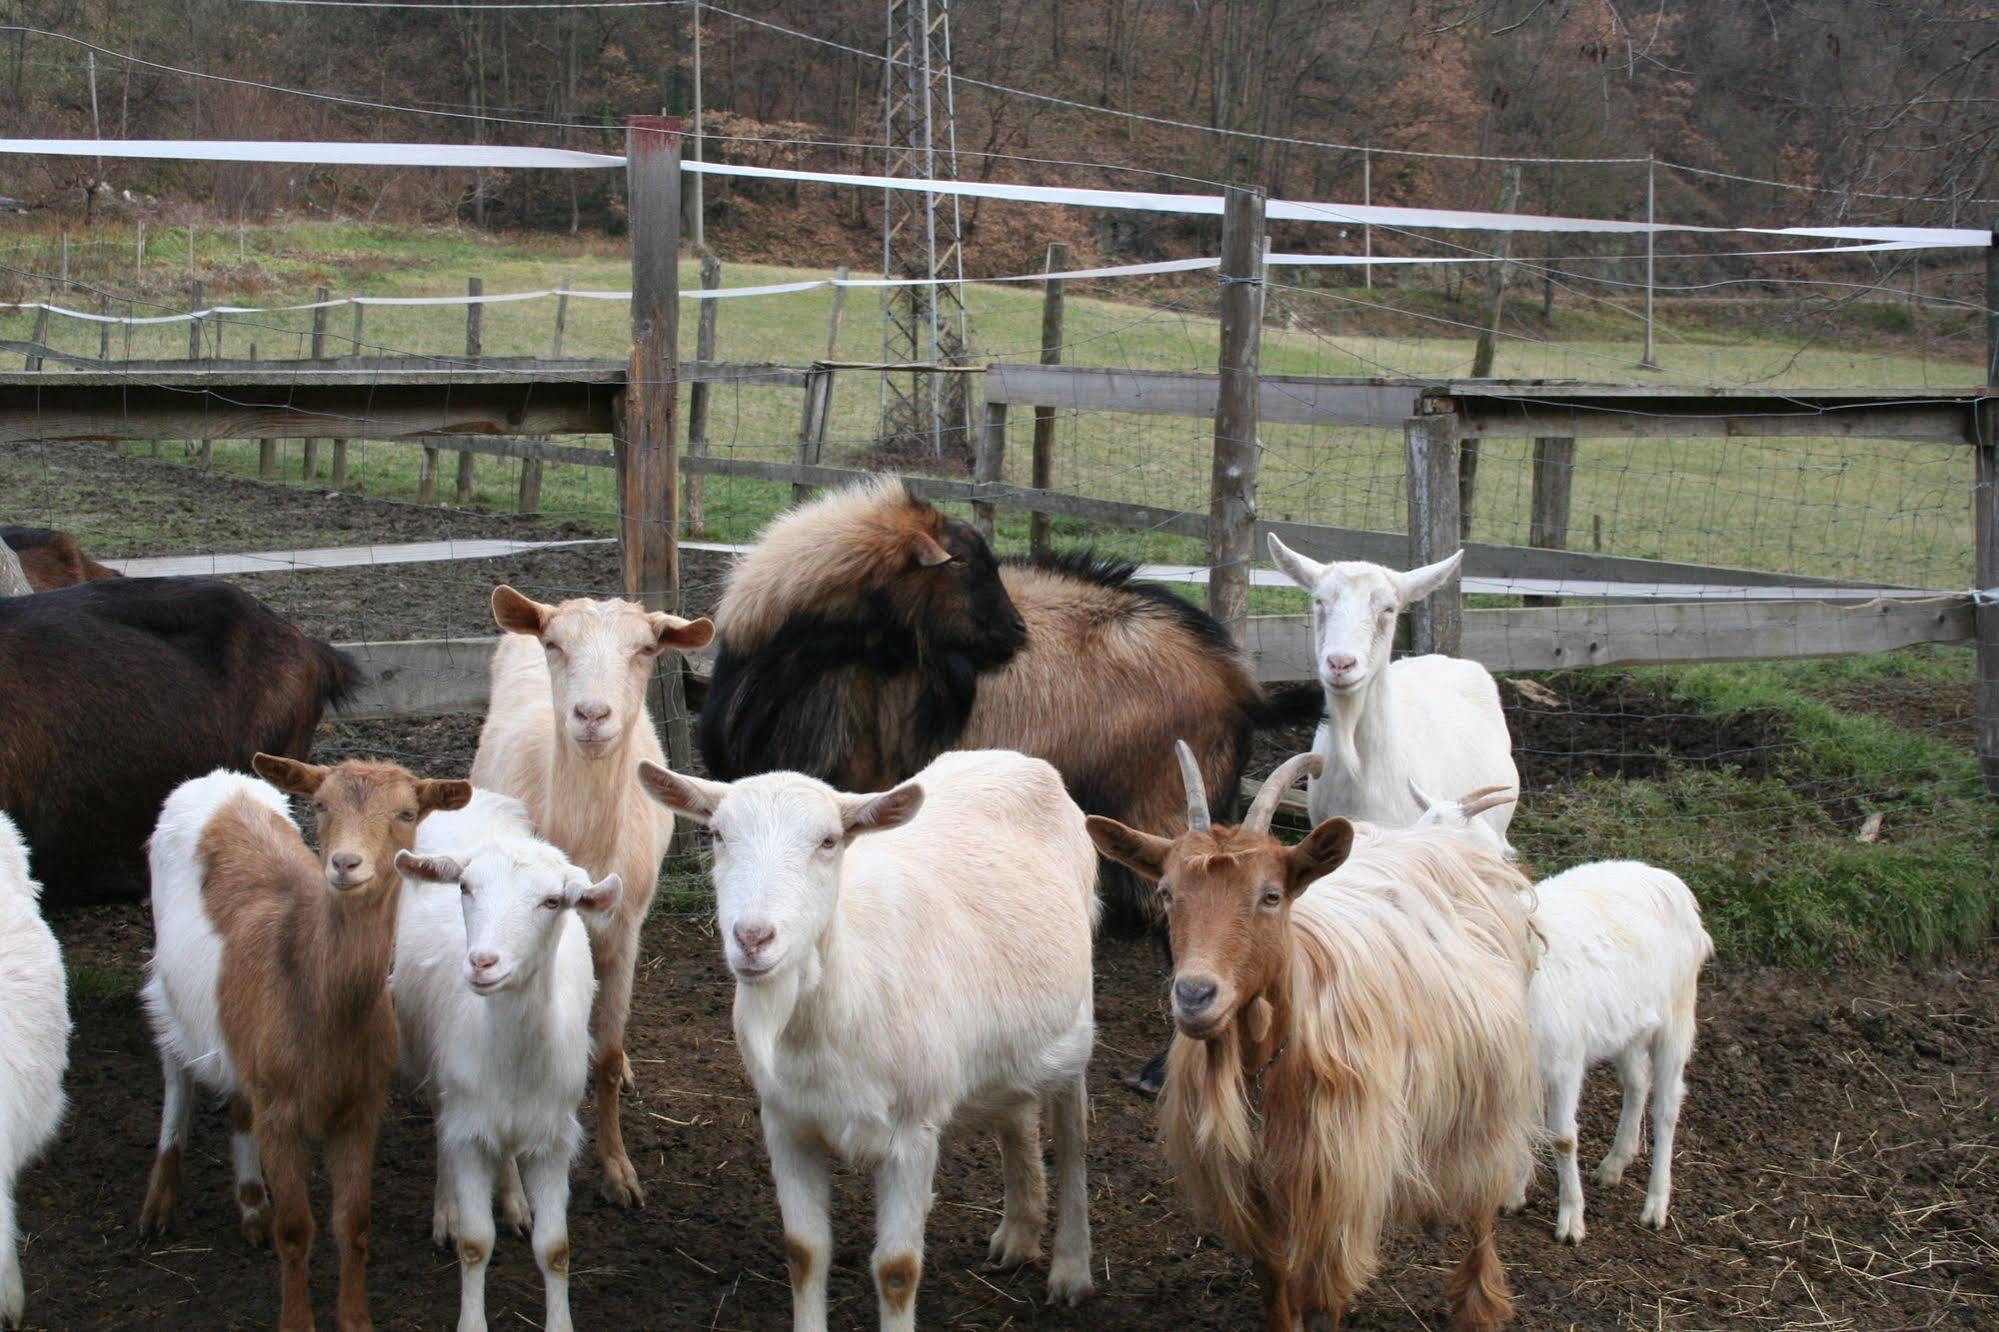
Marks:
<point>1838,1157</point>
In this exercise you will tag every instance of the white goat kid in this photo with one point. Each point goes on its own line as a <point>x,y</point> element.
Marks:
<point>1617,982</point>
<point>898,971</point>
<point>1462,816</point>
<point>34,1046</point>
<point>492,988</point>
<point>1432,719</point>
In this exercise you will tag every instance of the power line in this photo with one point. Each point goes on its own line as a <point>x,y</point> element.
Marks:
<point>459,4</point>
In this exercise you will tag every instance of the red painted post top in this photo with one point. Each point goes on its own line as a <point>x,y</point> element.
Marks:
<point>652,132</point>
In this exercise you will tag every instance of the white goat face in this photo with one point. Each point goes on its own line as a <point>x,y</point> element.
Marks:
<point>1463,816</point>
<point>514,895</point>
<point>779,840</point>
<point>1354,605</point>
<point>600,656</point>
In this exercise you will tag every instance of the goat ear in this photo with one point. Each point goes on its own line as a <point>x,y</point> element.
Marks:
<point>1324,850</point>
<point>670,631</point>
<point>1419,583</point>
<point>1305,573</point>
<point>691,796</point>
<point>1129,847</point>
<point>430,869</point>
<point>289,775</point>
<point>595,899</point>
<point>434,796</point>
<point>1423,800</point>
<point>927,551</point>
<point>879,813</point>
<point>518,614</point>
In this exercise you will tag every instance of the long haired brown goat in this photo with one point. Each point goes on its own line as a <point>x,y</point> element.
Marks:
<point>867,632</point>
<point>1349,1060</point>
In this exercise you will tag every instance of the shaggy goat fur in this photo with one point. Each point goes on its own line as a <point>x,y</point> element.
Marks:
<point>867,632</point>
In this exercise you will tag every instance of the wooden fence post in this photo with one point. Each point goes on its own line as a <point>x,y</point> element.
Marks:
<point>267,449</point>
<point>194,329</point>
<point>1486,349</point>
<point>1043,473</point>
<point>339,477</point>
<point>1985,500</point>
<point>1232,480</point>
<point>811,426</point>
<point>561,319</point>
<point>697,395</point>
<point>318,348</point>
<point>475,323</point>
<point>649,473</point>
<point>1431,443</point>
<point>832,354</point>
<point>1548,527</point>
<point>988,461</point>
<point>41,333</point>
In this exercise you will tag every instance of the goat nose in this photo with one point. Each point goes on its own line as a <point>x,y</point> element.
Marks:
<point>1194,994</point>
<point>754,937</point>
<point>1340,663</point>
<point>483,961</point>
<point>346,861</point>
<point>592,712</point>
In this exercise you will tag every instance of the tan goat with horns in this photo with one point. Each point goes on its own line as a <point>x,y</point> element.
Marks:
<point>1348,1060</point>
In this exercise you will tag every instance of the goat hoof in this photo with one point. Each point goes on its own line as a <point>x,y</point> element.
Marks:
<point>1151,1079</point>
<point>515,1214</point>
<point>1654,1214</point>
<point>621,1184</point>
<point>1569,1230</point>
<point>443,1227</point>
<point>256,1228</point>
<point>1069,1282</point>
<point>1515,1205</point>
<point>1608,1175</point>
<point>626,1083</point>
<point>156,1218</point>
<point>1012,1247</point>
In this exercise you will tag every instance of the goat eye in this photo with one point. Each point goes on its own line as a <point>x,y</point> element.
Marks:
<point>1271,897</point>
<point>828,842</point>
<point>551,904</point>
<point>1165,895</point>
<point>407,816</point>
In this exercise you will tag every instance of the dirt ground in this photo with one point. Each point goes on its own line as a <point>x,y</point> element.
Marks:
<point>1838,1162</point>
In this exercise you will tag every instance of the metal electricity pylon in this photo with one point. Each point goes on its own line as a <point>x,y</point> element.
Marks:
<point>923,322</point>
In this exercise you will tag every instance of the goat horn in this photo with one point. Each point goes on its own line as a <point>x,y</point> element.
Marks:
<point>1198,819</point>
<point>1264,808</point>
<point>1479,801</point>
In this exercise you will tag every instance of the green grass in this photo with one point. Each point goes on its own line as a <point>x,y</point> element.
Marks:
<point>1774,857</point>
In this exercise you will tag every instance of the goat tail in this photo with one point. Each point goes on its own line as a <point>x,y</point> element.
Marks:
<point>1296,703</point>
<point>340,676</point>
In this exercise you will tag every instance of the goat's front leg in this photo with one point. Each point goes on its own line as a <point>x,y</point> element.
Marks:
<point>802,1172</point>
<point>350,1161</point>
<point>472,1194</point>
<point>1274,1285</point>
<point>615,953</point>
<point>545,1176</point>
<point>281,1144</point>
<point>902,1208</point>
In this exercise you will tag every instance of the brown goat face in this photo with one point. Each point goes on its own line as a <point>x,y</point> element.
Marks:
<point>364,813</point>
<point>952,587</point>
<point>1227,895</point>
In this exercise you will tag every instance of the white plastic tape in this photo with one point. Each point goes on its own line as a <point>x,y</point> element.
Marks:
<point>318,154</point>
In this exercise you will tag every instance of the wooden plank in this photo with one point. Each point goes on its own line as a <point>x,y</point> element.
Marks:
<point>419,677</point>
<point>1042,470</point>
<point>1431,446</point>
<point>59,409</point>
<point>649,447</point>
<point>1561,638</point>
<point>384,372</point>
<point>1500,414</point>
<point>1281,399</point>
<point>1232,470</point>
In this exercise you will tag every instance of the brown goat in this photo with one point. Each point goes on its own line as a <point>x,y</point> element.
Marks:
<point>1348,1059</point>
<point>269,984</point>
<point>52,559</point>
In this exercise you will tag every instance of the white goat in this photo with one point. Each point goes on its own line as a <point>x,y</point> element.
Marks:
<point>896,971</point>
<point>1622,948</point>
<point>1462,815</point>
<point>492,988</point>
<point>1432,719</point>
<point>565,727</point>
<point>34,1046</point>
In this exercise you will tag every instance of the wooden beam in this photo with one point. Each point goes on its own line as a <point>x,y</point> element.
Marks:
<point>1431,444</point>
<point>475,343</point>
<point>648,449</point>
<point>1562,638</point>
<point>1281,399</point>
<point>987,464</point>
<point>1554,475</point>
<point>1232,473</point>
<point>1042,471</point>
<point>695,495</point>
<point>1507,413</point>
<point>419,677</point>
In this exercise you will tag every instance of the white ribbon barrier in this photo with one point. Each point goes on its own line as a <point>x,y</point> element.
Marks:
<point>498,155</point>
